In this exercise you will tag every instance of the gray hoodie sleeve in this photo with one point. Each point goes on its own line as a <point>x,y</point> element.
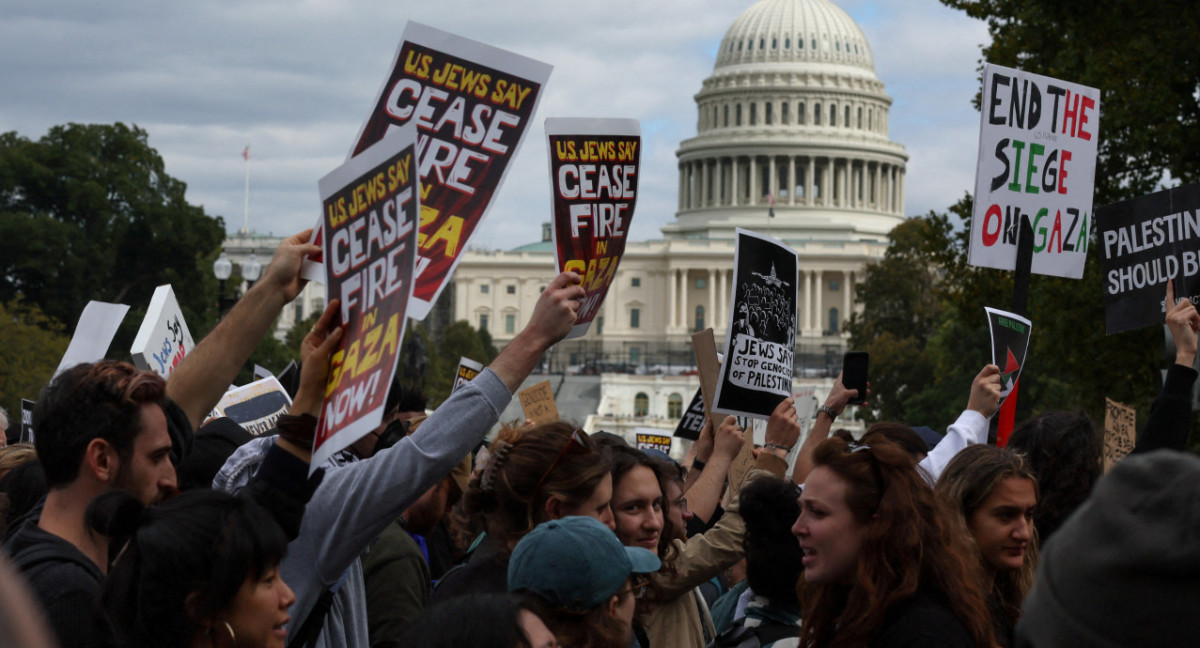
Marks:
<point>357,501</point>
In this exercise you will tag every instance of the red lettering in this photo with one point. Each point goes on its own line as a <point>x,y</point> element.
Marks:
<point>1088,103</point>
<point>1062,170</point>
<point>989,236</point>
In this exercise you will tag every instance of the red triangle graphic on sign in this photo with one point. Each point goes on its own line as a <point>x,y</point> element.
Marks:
<point>1011,364</point>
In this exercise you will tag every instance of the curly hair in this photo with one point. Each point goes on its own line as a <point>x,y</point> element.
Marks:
<point>1064,451</point>
<point>912,543</point>
<point>512,493</point>
<point>966,483</point>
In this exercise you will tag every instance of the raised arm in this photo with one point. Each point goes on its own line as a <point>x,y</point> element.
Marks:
<point>971,426</point>
<point>834,405</point>
<point>1171,414</point>
<point>553,317</point>
<point>704,495</point>
<point>204,374</point>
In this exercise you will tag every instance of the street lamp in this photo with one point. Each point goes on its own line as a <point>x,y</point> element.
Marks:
<point>251,271</point>
<point>222,269</point>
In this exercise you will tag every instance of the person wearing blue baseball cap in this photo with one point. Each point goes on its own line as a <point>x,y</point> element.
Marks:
<point>582,580</point>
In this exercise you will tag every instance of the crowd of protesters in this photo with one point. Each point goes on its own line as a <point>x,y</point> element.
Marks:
<point>134,522</point>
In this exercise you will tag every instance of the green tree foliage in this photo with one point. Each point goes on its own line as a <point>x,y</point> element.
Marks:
<point>89,212</point>
<point>458,340</point>
<point>31,345</point>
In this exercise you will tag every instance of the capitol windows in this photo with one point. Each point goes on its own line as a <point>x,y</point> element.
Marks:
<point>483,321</point>
<point>726,115</point>
<point>783,113</point>
<point>787,42</point>
<point>833,115</point>
<point>774,43</point>
<point>817,114</point>
<point>484,289</point>
<point>768,116</point>
<point>641,404</point>
<point>701,283</point>
<point>737,115</point>
<point>511,290</point>
<point>635,282</point>
<point>846,117</point>
<point>510,323</point>
<point>635,318</point>
<point>699,319</point>
<point>833,320</point>
<point>834,285</point>
<point>800,114</point>
<point>674,406</point>
<point>600,325</point>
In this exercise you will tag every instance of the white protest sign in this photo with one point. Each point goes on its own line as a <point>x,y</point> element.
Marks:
<point>256,406</point>
<point>1038,139</point>
<point>163,339</point>
<point>95,330</point>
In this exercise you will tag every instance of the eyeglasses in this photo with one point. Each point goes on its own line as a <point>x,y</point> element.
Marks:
<point>855,448</point>
<point>637,588</point>
<point>577,444</point>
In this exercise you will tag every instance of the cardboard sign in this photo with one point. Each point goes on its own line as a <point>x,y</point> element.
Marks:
<point>1147,241</point>
<point>1010,341</point>
<point>163,339</point>
<point>1038,139</point>
<point>467,370</point>
<point>473,104</point>
<point>370,205</point>
<point>692,423</point>
<point>538,403</point>
<point>593,190</point>
<point>805,399</point>
<point>26,421</point>
<point>1120,431</point>
<point>256,406</point>
<point>98,324</point>
<point>760,345</point>
<point>652,439</point>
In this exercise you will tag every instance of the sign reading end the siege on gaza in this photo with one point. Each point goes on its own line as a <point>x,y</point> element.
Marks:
<point>472,104</point>
<point>593,182</point>
<point>1038,139</point>
<point>370,206</point>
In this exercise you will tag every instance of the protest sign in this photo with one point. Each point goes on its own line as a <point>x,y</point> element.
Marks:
<point>473,104</point>
<point>256,406</point>
<point>467,370</point>
<point>1147,241</point>
<point>370,206</point>
<point>538,403</point>
<point>1038,139</point>
<point>805,399</point>
<point>760,345</point>
<point>290,378</point>
<point>1010,341</point>
<point>1120,431</point>
<point>163,339</point>
<point>593,190</point>
<point>26,421</point>
<point>313,266</point>
<point>652,439</point>
<point>98,324</point>
<point>692,423</point>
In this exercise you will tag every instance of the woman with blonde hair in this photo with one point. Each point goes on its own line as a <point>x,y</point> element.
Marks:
<point>996,493</point>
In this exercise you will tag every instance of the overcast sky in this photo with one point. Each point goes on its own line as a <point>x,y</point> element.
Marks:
<point>295,78</point>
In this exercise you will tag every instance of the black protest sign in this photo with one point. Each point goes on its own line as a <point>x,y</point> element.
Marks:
<point>761,339</point>
<point>1147,241</point>
<point>26,421</point>
<point>692,422</point>
<point>1010,342</point>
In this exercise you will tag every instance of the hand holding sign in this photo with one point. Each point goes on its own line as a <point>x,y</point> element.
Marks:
<point>315,351</point>
<point>728,440</point>
<point>554,314</point>
<point>783,428</point>
<point>1183,321</point>
<point>985,391</point>
<point>283,274</point>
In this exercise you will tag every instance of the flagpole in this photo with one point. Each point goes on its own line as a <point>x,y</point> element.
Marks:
<point>246,200</point>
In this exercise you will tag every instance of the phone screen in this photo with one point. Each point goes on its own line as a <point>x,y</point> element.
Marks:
<point>854,374</point>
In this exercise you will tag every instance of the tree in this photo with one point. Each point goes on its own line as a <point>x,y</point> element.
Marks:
<point>89,212</point>
<point>31,346</point>
<point>458,340</point>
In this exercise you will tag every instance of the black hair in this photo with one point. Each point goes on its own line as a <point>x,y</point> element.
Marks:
<point>23,486</point>
<point>201,545</point>
<point>490,620</point>
<point>900,434</point>
<point>405,398</point>
<point>101,400</point>
<point>1063,450</point>
<point>773,558</point>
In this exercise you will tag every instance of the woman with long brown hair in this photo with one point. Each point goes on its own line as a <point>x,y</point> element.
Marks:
<point>884,558</point>
<point>995,492</point>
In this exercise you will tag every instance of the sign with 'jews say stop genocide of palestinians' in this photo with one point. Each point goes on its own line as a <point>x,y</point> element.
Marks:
<point>472,104</point>
<point>593,180</point>
<point>1038,139</point>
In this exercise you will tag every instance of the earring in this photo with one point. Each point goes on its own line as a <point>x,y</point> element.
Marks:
<point>232,636</point>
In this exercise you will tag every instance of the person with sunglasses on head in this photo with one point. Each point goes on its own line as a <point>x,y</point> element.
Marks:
<point>885,562</point>
<point>581,580</point>
<point>673,612</point>
<point>549,472</point>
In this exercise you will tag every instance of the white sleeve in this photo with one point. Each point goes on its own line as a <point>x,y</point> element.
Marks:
<point>971,427</point>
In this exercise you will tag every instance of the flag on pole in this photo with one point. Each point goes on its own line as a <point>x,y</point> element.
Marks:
<point>246,153</point>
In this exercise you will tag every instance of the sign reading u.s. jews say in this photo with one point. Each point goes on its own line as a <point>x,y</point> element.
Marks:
<point>472,104</point>
<point>761,339</point>
<point>1147,241</point>
<point>163,339</point>
<point>1038,138</point>
<point>370,206</point>
<point>593,190</point>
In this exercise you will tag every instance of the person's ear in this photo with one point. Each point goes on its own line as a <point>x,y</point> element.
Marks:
<point>101,460</point>
<point>614,603</point>
<point>553,508</point>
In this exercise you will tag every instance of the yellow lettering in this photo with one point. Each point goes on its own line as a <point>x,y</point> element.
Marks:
<point>450,232</point>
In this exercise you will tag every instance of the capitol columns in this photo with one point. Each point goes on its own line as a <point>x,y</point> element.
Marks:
<point>791,179</point>
<point>847,296</point>
<point>712,298</point>
<point>672,279</point>
<point>818,309</point>
<point>735,195</point>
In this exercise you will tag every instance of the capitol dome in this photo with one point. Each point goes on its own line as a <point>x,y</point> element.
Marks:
<point>792,127</point>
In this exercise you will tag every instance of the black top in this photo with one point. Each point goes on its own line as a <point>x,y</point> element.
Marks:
<point>66,582</point>
<point>922,621</point>
<point>485,572</point>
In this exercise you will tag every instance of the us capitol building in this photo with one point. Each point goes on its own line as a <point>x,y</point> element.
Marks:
<point>792,141</point>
